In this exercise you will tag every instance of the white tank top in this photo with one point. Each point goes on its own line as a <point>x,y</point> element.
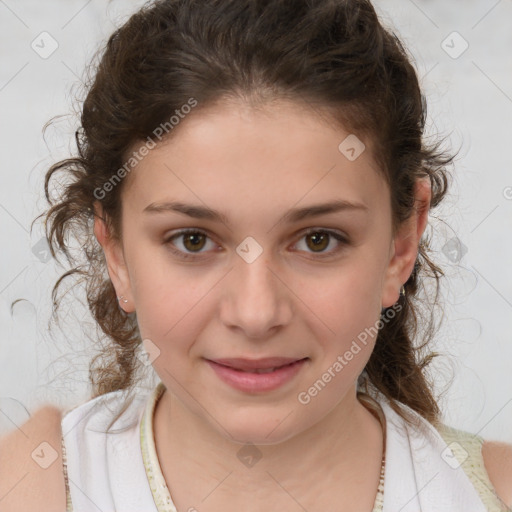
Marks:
<point>119,471</point>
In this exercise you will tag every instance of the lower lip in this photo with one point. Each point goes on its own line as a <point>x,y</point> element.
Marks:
<point>257,382</point>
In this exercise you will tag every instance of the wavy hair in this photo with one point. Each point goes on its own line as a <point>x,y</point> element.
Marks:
<point>336,56</point>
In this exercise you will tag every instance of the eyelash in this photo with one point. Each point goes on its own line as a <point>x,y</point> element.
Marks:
<point>343,241</point>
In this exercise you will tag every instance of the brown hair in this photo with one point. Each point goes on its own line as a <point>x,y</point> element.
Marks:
<point>332,54</point>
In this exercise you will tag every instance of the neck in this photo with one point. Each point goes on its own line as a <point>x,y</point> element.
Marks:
<point>340,454</point>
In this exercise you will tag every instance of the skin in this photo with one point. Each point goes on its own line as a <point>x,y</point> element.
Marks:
<point>255,165</point>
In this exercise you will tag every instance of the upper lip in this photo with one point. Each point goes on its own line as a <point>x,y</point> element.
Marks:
<point>256,364</point>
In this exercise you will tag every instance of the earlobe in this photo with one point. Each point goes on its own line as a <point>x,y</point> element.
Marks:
<point>114,257</point>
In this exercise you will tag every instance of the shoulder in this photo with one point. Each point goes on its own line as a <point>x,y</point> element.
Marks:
<point>487,463</point>
<point>498,463</point>
<point>31,471</point>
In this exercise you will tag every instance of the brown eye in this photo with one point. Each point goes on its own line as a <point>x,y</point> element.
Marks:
<point>193,241</point>
<point>318,240</point>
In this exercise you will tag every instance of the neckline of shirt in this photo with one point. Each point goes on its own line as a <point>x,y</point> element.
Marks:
<point>157,483</point>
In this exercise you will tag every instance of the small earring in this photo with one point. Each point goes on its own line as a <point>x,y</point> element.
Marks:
<point>122,297</point>
<point>402,294</point>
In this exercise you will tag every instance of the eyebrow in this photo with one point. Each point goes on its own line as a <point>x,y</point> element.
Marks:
<point>293,215</point>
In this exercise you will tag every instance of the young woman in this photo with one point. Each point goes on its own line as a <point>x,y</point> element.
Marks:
<point>251,191</point>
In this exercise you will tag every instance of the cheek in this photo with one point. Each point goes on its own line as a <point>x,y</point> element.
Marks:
<point>344,300</point>
<point>346,313</point>
<point>171,308</point>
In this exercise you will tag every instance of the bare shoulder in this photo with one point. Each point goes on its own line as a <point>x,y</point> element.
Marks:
<point>498,463</point>
<point>31,471</point>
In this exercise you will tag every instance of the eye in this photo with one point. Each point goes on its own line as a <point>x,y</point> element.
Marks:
<point>319,239</point>
<point>194,240</point>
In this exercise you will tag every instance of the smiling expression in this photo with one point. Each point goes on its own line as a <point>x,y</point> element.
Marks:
<point>288,254</point>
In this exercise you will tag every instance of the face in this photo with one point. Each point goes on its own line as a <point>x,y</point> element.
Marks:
<point>263,277</point>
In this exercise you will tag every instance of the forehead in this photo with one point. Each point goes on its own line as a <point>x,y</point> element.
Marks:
<point>282,153</point>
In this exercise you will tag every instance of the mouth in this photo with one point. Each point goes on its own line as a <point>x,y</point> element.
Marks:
<point>265,365</point>
<point>255,379</point>
<point>262,370</point>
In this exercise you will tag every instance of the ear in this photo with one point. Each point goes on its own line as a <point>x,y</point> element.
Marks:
<point>404,247</point>
<point>114,257</point>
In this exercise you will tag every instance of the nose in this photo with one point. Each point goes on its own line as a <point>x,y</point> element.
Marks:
<point>257,298</point>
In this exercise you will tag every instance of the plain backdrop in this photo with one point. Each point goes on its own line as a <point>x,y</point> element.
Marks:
<point>463,54</point>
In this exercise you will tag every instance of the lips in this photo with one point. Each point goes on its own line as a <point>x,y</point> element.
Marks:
<point>263,365</point>
<point>258,381</point>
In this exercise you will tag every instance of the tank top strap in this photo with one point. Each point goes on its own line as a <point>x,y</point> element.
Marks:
<point>467,449</point>
<point>69,505</point>
<point>157,483</point>
<point>374,408</point>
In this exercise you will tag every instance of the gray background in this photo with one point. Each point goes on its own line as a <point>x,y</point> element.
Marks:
<point>469,98</point>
